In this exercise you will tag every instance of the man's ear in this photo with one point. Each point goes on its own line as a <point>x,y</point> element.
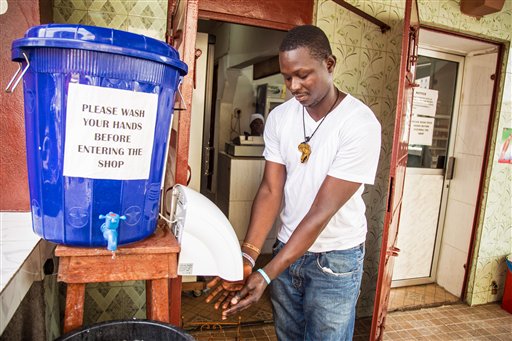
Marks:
<point>331,63</point>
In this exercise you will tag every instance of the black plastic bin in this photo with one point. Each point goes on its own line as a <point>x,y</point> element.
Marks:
<point>128,330</point>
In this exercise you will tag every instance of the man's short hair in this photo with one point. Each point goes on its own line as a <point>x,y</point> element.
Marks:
<point>308,36</point>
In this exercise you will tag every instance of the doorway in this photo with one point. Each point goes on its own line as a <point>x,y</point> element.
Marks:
<point>232,63</point>
<point>430,153</point>
<point>448,134</point>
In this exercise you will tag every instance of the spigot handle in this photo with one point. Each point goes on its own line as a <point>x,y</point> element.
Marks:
<point>109,229</point>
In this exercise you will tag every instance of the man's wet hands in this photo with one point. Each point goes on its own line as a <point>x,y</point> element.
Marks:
<point>222,291</point>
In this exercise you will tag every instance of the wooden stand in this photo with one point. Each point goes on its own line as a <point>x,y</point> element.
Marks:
<point>154,260</point>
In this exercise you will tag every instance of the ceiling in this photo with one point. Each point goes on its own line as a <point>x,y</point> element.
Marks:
<point>452,43</point>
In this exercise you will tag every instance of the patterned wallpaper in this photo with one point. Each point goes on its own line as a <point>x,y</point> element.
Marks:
<point>494,234</point>
<point>148,17</point>
<point>368,63</point>
<point>368,68</point>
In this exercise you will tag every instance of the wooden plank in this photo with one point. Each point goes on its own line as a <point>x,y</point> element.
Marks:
<point>154,260</point>
<point>175,301</point>
<point>74,311</point>
<point>172,262</point>
<point>122,268</point>
<point>63,264</point>
<point>183,35</point>
<point>161,242</point>
<point>157,300</point>
<point>281,15</point>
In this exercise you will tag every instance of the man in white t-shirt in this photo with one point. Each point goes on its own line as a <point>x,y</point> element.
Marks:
<point>321,147</point>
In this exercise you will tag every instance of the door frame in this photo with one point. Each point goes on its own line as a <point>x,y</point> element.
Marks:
<point>488,144</point>
<point>182,20</point>
<point>485,166</point>
<point>430,52</point>
<point>264,13</point>
<point>279,15</point>
<point>397,169</point>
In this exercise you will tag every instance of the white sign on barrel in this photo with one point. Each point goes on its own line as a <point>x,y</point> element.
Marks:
<point>109,133</point>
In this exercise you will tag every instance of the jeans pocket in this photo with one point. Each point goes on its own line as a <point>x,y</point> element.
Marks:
<point>278,245</point>
<point>344,263</point>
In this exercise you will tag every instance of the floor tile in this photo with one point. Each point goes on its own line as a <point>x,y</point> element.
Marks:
<point>451,321</point>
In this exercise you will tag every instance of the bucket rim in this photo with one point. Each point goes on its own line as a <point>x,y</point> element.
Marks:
<point>101,39</point>
<point>91,329</point>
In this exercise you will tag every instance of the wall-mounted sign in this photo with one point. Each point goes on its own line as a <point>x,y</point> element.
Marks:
<point>424,102</point>
<point>505,151</point>
<point>109,133</point>
<point>422,130</point>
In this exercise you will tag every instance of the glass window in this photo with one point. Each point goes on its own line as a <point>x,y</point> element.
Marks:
<point>439,75</point>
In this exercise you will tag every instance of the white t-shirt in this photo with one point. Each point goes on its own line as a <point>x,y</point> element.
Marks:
<point>346,146</point>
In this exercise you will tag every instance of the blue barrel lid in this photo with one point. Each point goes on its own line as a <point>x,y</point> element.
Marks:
<point>101,39</point>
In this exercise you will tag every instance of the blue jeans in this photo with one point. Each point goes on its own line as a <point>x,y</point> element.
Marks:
<point>315,297</point>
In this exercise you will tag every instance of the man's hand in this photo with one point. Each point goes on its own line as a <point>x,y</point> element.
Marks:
<point>250,294</point>
<point>223,291</point>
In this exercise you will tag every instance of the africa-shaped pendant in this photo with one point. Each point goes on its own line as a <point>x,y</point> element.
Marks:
<point>305,149</point>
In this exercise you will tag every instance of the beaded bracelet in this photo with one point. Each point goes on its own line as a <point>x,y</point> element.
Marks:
<point>249,258</point>
<point>265,276</point>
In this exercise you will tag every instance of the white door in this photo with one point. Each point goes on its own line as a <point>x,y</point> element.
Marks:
<point>469,151</point>
<point>429,167</point>
<point>209,139</point>
<point>197,114</point>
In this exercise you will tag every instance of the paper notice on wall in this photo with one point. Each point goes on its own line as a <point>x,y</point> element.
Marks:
<point>505,151</point>
<point>109,133</point>
<point>422,130</point>
<point>424,102</point>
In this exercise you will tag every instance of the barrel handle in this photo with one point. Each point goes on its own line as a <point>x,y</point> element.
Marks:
<point>181,96</point>
<point>8,89</point>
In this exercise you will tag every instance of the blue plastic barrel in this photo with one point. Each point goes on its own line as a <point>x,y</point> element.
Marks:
<point>98,108</point>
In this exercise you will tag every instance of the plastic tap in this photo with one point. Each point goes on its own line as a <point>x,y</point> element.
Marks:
<point>109,229</point>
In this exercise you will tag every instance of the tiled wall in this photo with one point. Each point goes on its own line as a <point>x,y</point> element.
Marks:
<point>114,301</point>
<point>143,17</point>
<point>494,234</point>
<point>368,63</point>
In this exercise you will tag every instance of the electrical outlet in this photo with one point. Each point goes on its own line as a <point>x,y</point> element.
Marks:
<point>494,288</point>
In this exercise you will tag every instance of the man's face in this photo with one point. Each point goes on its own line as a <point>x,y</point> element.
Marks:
<point>256,127</point>
<point>308,78</point>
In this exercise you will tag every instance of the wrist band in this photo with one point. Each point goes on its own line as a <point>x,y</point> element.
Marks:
<point>252,247</point>
<point>265,276</point>
<point>249,258</point>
